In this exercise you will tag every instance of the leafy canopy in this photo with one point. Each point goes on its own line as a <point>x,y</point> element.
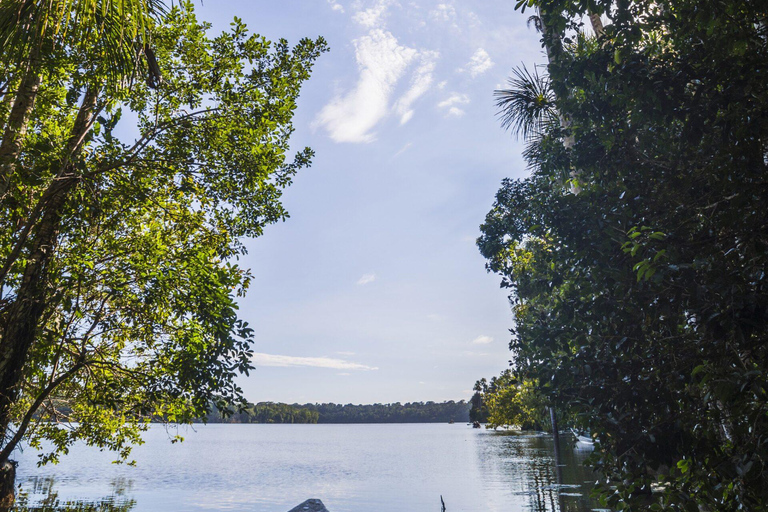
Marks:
<point>641,302</point>
<point>138,314</point>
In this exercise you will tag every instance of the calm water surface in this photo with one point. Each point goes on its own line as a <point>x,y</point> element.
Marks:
<point>352,468</point>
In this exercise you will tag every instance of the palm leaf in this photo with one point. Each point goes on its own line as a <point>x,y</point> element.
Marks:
<point>527,107</point>
<point>113,30</point>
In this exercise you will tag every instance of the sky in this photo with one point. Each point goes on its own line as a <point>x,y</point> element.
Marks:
<point>373,291</point>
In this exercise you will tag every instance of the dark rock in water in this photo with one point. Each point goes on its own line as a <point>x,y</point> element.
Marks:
<point>310,506</point>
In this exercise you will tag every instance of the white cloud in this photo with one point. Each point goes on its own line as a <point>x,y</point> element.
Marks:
<point>469,353</point>
<point>450,104</point>
<point>366,278</point>
<point>343,353</point>
<point>482,340</point>
<point>458,20</point>
<point>444,12</point>
<point>454,99</point>
<point>336,6</point>
<point>373,16</point>
<point>403,149</point>
<point>420,83</point>
<point>382,62</point>
<point>478,64</point>
<point>260,359</point>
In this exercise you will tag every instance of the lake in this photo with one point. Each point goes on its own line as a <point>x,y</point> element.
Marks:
<point>352,468</point>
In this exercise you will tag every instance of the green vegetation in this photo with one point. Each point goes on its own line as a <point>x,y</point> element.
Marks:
<point>509,402</point>
<point>118,266</point>
<point>478,409</point>
<point>636,253</point>
<point>415,412</point>
<point>265,412</point>
<point>412,412</point>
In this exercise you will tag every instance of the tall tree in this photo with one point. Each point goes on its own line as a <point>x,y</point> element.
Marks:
<point>114,34</point>
<point>118,274</point>
<point>640,302</point>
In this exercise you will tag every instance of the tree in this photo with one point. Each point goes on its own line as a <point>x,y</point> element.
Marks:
<point>512,402</point>
<point>113,34</point>
<point>478,408</point>
<point>640,301</point>
<point>118,274</point>
<point>118,28</point>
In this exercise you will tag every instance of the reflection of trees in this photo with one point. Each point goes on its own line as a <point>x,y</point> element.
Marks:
<point>527,464</point>
<point>41,496</point>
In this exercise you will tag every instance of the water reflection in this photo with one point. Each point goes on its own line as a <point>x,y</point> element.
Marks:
<point>526,463</point>
<point>272,468</point>
<point>40,495</point>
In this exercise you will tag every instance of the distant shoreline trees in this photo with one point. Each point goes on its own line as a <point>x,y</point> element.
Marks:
<point>413,412</point>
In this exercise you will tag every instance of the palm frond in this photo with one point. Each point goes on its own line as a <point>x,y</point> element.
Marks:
<point>527,107</point>
<point>114,30</point>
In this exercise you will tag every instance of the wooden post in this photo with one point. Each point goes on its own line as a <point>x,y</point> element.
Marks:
<point>555,434</point>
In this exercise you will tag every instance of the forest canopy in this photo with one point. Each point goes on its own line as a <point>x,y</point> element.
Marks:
<point>412,412</point>
<point>636,252</point>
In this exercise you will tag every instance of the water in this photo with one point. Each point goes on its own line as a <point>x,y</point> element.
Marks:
<point>352,468</point>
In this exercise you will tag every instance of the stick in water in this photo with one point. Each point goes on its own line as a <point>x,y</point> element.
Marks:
<point>443,503</point>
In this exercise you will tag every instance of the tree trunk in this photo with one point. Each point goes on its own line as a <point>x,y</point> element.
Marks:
<point>22,319</point>
<point>7,484</point>
<point>8,99</point>
<point>18,119</point>
<point>21,322</point>
<point>597,24</point>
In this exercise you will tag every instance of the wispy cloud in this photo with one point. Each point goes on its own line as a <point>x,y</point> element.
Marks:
<point>420,84</point>
<point>479,63</point>
<point>381,62</point>
<point>366,278</point>
<point>260,359</point>
<point>482,340</point>
<point>469,353</point>
<point>373,16</point>
<point>403,149</point>
<point>336,6</point>
<point>445,13</point>
<point>451,104</point>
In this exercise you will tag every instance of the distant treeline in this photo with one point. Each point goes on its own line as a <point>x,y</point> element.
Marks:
<point>266,412</point>
<point>413,412</point>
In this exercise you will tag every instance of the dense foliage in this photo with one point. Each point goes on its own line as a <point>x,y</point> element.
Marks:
<point>415,412</point>
<point>478,409</point>
<point>118,273</point>
<point>412,412</point>
<point>507,401</point>
<point>636,252</point>
<point>265,412</point>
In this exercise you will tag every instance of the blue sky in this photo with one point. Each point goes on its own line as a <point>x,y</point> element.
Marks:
<point>374,290</point>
